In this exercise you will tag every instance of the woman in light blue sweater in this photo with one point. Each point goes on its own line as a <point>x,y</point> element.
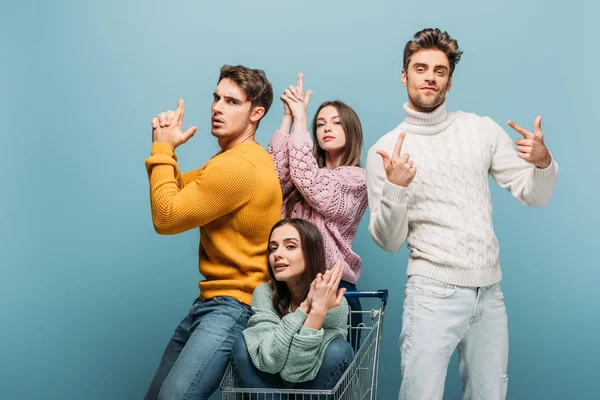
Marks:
<point>296,337</point>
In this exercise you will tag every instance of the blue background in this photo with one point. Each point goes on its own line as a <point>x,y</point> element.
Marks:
<point>90,294</point>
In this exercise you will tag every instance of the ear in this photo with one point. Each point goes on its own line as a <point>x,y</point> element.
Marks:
<point>257,113</point>
<point>404,78</point>
<point>449,84</point>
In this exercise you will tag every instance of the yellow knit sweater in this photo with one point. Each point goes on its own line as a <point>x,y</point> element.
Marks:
<point>234,199</point>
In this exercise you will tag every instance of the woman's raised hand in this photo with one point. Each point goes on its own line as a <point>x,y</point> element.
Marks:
<point>305,305</point>
<point>325,294</point>
<point>296,100</point>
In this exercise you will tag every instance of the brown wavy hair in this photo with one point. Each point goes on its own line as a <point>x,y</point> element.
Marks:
<point>253,82</point>
<point>433,39</point>
<point>313,251</point>
<point>354,142</point>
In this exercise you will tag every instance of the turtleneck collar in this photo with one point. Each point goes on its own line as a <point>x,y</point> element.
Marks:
<point>427,123</point>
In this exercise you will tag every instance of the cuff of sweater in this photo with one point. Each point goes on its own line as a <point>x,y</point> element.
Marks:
<point>280,139</point>
<point>294,321</point>
<point>301,138</point>
<point>394,193</point>
<point>279,142</point>
<point>306,339</point>
<point>163,148</point>
<point>281,134</point>
<point>310,331</point>
<point>162,153</point>
<point>543,174</point>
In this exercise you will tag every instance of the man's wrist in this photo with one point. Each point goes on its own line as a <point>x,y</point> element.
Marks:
<point>162,141</point>
<point>162,148</point>
<point>545,163</point>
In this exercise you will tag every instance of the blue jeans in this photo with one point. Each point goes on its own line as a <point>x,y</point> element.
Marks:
<point>338,356</point>
<point>197,356</point>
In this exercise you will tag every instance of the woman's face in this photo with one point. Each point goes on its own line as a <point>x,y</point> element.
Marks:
<point>330,132</point>
<point>286,258</point>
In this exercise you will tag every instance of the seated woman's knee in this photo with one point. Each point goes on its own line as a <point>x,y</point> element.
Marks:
<point>339,351</point>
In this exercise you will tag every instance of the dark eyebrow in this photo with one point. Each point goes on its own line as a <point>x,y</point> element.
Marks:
<point>215,95</point>
<point>290,239</point>
<point>425,65</point>
<point>321,118</point>
<point>233,98</point>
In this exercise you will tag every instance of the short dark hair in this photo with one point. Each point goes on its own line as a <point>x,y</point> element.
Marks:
<point>313,250</point>
<point>433,39</point>
<point>253,82</point>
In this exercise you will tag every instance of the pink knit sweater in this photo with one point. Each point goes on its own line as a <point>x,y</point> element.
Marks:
<point>335,200</point>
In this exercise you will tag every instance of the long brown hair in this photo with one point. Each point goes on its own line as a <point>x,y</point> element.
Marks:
<point>354,142</point>
<point>313,251</point>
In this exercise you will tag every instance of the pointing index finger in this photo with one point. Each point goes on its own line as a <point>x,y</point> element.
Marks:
<point>520,130</point>
<point>179,112</point>
<point>398,146</point>
<point>340,273</point>
<point>300,83</point>
<point>537,126</point>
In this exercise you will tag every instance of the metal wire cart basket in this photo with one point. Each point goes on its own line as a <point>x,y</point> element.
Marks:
<point>359,382</point>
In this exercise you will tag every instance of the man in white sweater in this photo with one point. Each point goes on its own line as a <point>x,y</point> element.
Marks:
<point>428,184</point>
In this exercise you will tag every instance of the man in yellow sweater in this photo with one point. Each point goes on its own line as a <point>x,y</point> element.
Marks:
<point>234,199</point>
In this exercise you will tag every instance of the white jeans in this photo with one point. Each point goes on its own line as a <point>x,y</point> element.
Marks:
<point>437,318</point>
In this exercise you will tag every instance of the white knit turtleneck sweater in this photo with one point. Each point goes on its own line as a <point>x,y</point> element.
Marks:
<point>445,214</point>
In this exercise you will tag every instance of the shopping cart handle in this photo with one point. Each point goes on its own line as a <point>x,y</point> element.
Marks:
<point>382,294</point>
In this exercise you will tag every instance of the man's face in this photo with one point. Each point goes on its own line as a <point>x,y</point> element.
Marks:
<point>427,79</point>
<point>231,112</point>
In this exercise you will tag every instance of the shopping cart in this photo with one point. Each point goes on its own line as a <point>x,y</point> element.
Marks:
<point>359,382</point>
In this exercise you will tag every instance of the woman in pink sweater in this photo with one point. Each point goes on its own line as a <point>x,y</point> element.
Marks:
<point>322,181</point>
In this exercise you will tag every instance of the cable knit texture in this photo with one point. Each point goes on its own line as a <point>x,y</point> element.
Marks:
<point>281,346</point>
<point>234,200</point>
<point>335,200</point>
<point>445,214</point>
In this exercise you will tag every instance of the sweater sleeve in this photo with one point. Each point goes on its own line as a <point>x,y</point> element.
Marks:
<point>388,222</point>
<point>530,185</point>
<point>330,192</point>
<point>268,337</point>
<point>190,176</point>
<point>278,149</point>
<point>308,346</point>
<point>223,185</point>
<point>186,177</point>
